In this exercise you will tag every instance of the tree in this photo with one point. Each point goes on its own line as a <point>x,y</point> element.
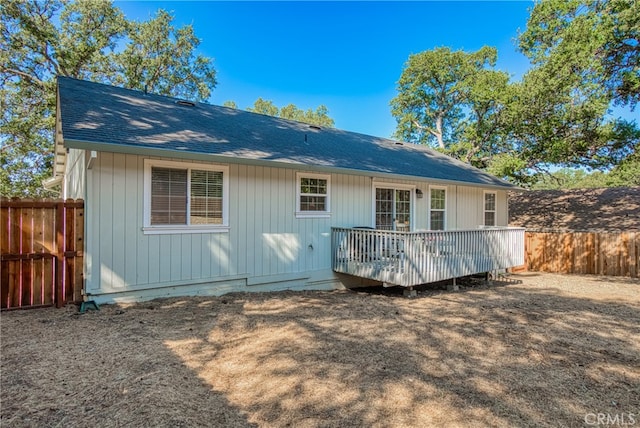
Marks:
<point>554,120</point>
<point>264,107</point>
<point>627,172</point>
<point>593,40</point>
<point>484,132</point>
<point>456,102</point>
<point>585,56</point>
<point>161,59</point>
<point>432,91</point>
<point>89,40</point>
<point>319,117</point>
<point>567,178</point>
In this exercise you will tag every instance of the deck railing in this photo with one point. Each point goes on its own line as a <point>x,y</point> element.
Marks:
<point>413,258</point>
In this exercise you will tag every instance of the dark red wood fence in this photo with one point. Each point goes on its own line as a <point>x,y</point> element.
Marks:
<point>41,252</point>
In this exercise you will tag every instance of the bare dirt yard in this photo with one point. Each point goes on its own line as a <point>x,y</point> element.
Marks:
<point>534,350</point>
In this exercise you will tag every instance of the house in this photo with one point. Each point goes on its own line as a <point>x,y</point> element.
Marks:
<point>185,198</point>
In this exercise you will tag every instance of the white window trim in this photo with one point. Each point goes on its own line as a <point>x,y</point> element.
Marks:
<point>485,210</point>
<point>446,197</point>
<point>149,229</point>
<point>313,214</point>
<point>395,186</point>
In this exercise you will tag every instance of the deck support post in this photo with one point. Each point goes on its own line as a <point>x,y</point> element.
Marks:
<point>488,278</point>
<point>453,286</point>
<point>409,292</point>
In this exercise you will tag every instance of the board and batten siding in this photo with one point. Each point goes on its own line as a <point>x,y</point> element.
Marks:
<point>266,247</point>
<point>75,178</point>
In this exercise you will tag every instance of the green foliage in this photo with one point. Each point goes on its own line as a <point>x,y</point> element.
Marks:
<point>264,107</point>
<point>626,173</point>
<point>554,121</point>
<point>432,92</point>
<point>89,40</point>
<point>457,103</point>
<point>513,167</point>
<point>230,104</point>
<point>567,178</point>
<point>319,116</point>
<point>593,40</point>
<point>585,56</point>
<point>161,59</point>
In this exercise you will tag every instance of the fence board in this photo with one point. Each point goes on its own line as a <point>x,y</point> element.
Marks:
<point>49,283</point>
<point>49,245</point>
<point>4,279</point>
<point>41,252</point>
<point>26,247</point>
<point>79,249</point>
<point>38,264</point>
<point>596,253</point>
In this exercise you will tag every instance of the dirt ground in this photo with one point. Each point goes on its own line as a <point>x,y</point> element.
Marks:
<point>534,350</point>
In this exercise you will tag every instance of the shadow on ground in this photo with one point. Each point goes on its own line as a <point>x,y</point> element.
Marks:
<point>507,355</point>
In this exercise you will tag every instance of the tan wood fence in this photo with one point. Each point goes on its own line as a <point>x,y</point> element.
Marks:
<point>598,253</point>
<point>41,252</point>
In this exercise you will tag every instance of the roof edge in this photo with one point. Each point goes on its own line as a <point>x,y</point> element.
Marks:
<point>151,151</point>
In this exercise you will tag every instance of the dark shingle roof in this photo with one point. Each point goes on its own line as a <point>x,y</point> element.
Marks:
<point>607,209</point>
<point>107,118</point>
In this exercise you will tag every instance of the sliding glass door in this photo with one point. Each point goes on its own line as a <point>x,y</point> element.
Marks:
<point>393,209</point>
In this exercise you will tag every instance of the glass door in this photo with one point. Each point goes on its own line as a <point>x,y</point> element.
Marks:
<point>393,209</point>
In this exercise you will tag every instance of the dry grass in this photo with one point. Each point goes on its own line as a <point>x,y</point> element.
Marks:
<point>543,352</point>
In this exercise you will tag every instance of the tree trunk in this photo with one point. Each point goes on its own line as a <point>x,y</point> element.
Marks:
<point>438,132</point>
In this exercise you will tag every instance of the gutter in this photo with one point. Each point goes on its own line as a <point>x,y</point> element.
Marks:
<point>187,155</point>
<point>52,182</point>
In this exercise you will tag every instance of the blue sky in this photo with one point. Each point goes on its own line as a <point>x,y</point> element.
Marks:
<point>345,55</point>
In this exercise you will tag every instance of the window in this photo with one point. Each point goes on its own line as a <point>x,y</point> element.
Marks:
<point>489,209</point>
<point>437,208</point>
<point>185,198</point>
<point>313,195</point>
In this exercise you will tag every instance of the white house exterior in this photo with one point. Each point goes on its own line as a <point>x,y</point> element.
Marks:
<point>174,206</point>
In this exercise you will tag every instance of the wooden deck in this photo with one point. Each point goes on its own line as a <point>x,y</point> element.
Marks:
<point>413,258</point>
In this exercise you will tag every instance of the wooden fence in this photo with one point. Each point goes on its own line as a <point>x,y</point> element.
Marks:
<point>41,252</point>
<point>598,253</point>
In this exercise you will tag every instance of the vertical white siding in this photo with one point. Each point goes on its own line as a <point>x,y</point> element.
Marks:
<point>465,207</point>
<point>265,239</point>
<point>502,214</point>
<point>119,220</point>
<point>74,176</point>
<point>469,208</point>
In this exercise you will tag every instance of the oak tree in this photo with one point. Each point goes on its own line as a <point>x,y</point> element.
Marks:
<point>89,40</point>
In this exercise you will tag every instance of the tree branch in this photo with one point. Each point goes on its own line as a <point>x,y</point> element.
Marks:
<point>23,74</point>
